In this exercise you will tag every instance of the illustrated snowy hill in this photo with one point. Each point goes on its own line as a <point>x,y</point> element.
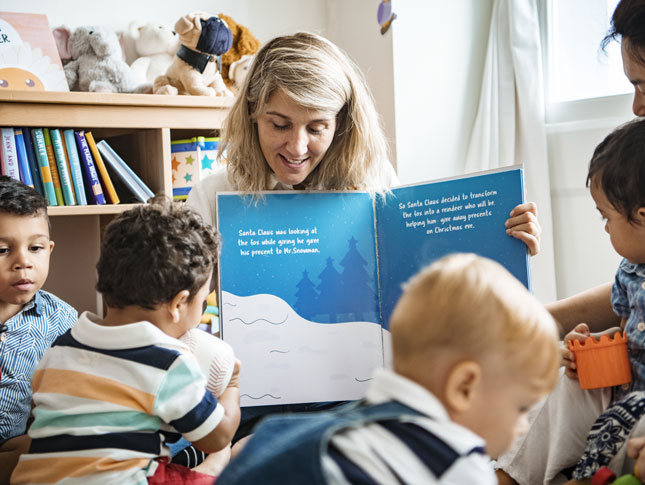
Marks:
<point>288,359</point>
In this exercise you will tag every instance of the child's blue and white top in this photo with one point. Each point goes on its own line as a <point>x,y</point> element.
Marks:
<point>628,301</point>
<point>400,433</point>
<point>107,398</point>
<point>31,332</point>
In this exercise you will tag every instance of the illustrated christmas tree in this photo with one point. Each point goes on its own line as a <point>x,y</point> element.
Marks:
<point>357,296</point>
<point>330,291</point>
<point>307,297</point>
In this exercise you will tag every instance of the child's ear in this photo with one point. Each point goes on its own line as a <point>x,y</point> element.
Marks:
<point>51,246</point>
<point>176,305</point>
<point>640,214</point>
<point>462,384</point>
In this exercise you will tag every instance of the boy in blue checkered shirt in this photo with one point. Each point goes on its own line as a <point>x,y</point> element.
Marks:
<point>30,318</point>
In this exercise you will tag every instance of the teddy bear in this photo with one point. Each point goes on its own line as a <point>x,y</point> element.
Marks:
<point>155,46</point>
<point>96,61</point>
<point>244,43</point>
<point>194,70</point>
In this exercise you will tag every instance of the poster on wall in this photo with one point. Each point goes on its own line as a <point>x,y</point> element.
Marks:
<point>29,59</point>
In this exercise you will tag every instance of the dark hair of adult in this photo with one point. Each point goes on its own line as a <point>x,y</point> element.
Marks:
<point>152,252</point>
<point>618,167</point>
<point>628,23</point>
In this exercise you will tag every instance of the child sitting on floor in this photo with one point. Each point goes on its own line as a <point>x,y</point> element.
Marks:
<point>560,429</point>
<point>30,318</point>
<point>472,351</point>
<point>111,391</point>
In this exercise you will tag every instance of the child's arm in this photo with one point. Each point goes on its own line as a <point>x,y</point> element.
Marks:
<point>581,332</point>
<point>223,433</point>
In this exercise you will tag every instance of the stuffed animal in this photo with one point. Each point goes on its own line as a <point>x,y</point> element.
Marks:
<point>239,69</point>
<point>96,63</point>
<point>244,43</point>
<point>155,46</point>
<point>194,70</point>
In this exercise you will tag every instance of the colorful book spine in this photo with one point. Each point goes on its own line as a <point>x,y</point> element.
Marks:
<point>23,162</point>
<point>61,164</point>
<point>75,166</point>
<point>58,189</point>
<point>33,161</point>
<point>38,137</point>
<point>69,169</point>
<point>125,173</point>
<point>108,187</point>
<point>9,156</point>
<point>92,178</point>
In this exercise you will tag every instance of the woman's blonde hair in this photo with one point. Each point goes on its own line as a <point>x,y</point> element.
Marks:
<point>473,306</point>
<point>315,74</point>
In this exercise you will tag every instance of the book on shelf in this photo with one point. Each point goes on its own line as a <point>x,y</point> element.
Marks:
<point>75,166</point>
<point>29,54</point>
<point>49,149</point>
<point>9,157</point>
<point>33,161</point>
<point>23,161</point>
<point>38,138</point>
<point>93,183</point>
<point>108,187</point>
<point>193,159</point>
<point>63,170</point>
<point>328,268</point>
<point>124,172</point>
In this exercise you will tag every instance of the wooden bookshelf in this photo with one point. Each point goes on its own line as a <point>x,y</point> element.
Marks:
<point>139,127</point>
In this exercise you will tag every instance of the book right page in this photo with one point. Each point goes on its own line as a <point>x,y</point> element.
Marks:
<point>418,224</point>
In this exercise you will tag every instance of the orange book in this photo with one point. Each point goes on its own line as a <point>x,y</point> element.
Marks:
<point>58,189</point>
<point>106,181</point>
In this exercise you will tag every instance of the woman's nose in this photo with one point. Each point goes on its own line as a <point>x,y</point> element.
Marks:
<point>297,143</point>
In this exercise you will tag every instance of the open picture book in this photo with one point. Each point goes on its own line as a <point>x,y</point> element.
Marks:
<point>308,280</point>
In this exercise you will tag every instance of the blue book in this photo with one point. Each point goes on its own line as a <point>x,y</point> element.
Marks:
<point>33,162</point>
<point>75,167</point>
<point>124,172</point>
<point>328,267</point>
<point>38,137</point>
<point>23,161</point>
<point>63,170</point>
<point>93,184</point>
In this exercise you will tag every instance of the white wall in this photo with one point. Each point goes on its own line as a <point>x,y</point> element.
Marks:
<point>439,51</point>
<point>266,19</point>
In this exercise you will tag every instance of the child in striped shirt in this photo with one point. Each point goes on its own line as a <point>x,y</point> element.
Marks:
<point>114,389</point>
<point>30,318</point>
<point>472,351</point>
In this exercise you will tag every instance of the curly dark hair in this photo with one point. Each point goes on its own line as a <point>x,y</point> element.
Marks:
<point>618,167</point>
<point>20,199</point>
<point>628,22</point>
<point>153,251</point>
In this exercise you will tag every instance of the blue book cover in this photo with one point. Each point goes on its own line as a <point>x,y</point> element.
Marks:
<point>38,137</point>
<point>93,184</point>
<point>23,161</point>
<point>125,173</point>
<point>33,162</point>
<point>63,170</point>
<point>310,278</point>
<point>75,167</point>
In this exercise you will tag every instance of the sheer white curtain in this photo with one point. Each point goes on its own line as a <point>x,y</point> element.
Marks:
<point>510,126</point>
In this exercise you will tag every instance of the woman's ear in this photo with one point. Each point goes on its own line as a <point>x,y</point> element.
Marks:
<point>177,304</point>
<point>462,385</point>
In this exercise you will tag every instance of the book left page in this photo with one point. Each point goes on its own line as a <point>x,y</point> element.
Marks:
<point>299,296</point>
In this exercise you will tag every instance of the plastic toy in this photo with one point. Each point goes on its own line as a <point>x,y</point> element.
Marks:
<point>604,476</point>
<point>602,363</point>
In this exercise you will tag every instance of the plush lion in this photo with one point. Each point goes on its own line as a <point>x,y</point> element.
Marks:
<point>244,43</point>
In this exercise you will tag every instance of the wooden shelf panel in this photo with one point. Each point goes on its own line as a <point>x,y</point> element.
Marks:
<point>88,210</point>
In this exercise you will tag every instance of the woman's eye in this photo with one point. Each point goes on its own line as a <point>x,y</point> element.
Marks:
<point>280,127</point>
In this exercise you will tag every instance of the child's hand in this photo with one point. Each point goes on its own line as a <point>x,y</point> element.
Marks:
<point>523,225</point>
<point>235,378</point>
<point>580,332</point>
<point>636,450</point>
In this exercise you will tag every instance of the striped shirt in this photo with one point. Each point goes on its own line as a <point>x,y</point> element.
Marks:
<point>106,400</point>
<point>31,332</point>
<point>429,449</point>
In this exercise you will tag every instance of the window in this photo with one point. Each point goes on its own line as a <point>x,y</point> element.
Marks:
<point>576,67</point>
